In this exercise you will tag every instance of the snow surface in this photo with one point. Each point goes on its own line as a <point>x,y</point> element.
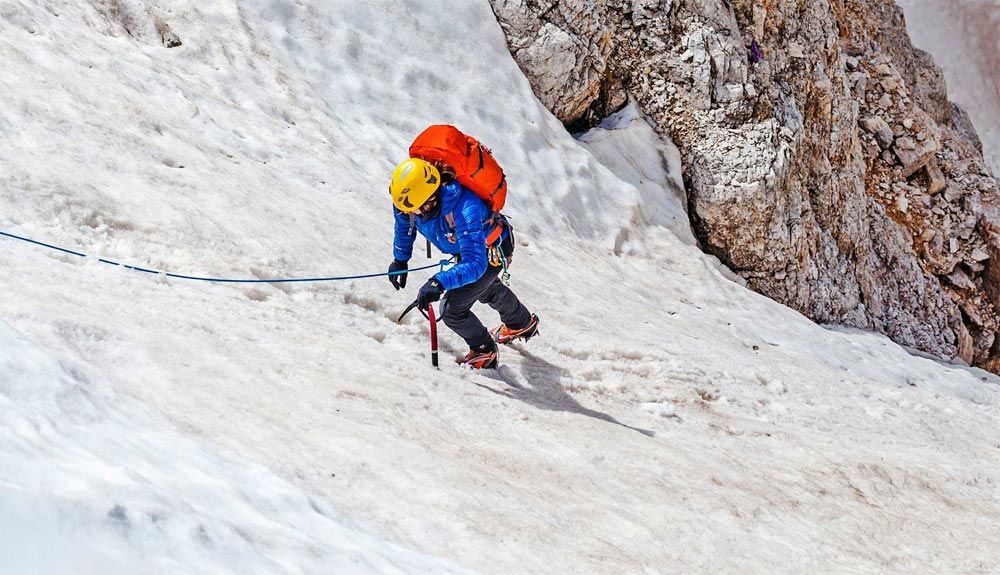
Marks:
<point>667,420</point>
<point>626,143</point>
<point>69,449</point>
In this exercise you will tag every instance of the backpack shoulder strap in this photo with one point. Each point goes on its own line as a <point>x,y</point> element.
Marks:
<point>497,220</point>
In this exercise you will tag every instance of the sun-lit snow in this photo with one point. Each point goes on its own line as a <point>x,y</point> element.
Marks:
<point>666,421</point>
<point>69,443</point>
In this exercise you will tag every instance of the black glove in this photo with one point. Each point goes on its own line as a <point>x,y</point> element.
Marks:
<point>429,293</point>
<point>397,280</point>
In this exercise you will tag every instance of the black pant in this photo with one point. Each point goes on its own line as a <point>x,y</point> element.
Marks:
<point>489,290</point>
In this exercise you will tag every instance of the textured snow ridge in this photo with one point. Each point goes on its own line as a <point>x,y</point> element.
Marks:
<point>666,419</point>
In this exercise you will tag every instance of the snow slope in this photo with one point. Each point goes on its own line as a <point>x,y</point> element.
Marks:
<point>69,448</point>
<point>668,420</point>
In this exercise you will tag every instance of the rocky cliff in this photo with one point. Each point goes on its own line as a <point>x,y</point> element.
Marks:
<point>822,159</point>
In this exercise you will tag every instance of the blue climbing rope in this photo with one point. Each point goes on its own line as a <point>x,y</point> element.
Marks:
<point>440,264</point>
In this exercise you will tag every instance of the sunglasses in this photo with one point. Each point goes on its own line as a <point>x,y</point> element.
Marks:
<point>430,205</point>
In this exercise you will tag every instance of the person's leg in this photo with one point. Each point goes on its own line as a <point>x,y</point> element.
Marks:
<point>458,315</point>
<point>502,299</point>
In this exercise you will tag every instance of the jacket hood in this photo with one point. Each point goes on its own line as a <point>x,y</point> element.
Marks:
<point>450,194</point>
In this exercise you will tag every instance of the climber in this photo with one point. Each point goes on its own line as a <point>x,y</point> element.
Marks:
<point>429,198</point>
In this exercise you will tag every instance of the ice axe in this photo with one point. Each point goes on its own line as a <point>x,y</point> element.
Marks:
<point>429,314</point>
<point>434,335</point>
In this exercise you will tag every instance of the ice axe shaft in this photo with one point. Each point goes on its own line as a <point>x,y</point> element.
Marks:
<point>434,335</point>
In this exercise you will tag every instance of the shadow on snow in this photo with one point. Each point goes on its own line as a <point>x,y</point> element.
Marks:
<point>547,391</point>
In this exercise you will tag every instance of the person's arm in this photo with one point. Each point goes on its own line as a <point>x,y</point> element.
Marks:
<point>405,234</point>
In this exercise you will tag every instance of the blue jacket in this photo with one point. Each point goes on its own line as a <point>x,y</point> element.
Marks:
<point>468,238</point>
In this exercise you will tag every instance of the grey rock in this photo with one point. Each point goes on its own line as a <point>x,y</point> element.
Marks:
<point>564,53</point>
<point>883,69</point>
<point>937,181</point>
<point>859,81</point>
<point>645,10</point>
<point>961,280</point>
<point>966,349</point>
<point>915,159</point>
<point>905,143</point>
<point>902,203</point>
<point>879,128</point>
<point>976,267</point>
<point>889,84</point>
<point>167,36</point>
<point>952,193</point>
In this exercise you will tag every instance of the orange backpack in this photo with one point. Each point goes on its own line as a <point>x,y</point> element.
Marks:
<point>474,165</point>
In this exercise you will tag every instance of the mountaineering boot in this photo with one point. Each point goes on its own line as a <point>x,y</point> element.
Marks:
<point>483,357</point>
<point>504,334</point>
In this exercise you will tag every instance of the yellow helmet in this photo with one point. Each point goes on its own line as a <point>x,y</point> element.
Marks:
<point>413,182</point>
